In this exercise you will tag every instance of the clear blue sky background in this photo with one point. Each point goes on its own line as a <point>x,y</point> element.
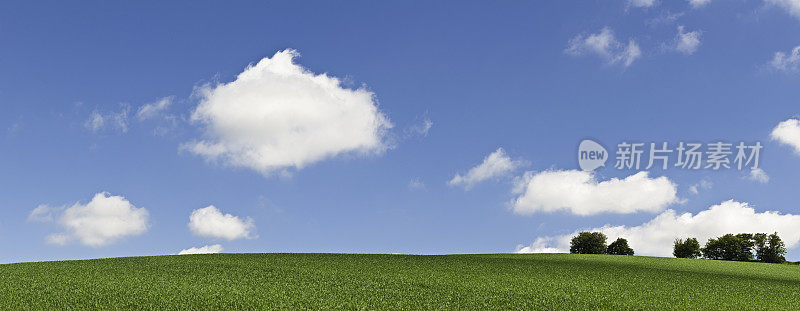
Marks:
<point>488,75</point>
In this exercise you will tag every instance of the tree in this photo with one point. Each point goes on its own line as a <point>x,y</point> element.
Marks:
<point>729,247</point>
<point>619,247</point>
<point>740,247</point>
<point>749,238</point>
<point>588,243</point>
<point>769,248</point>
<point>760,245</point>
<point>688,248</point>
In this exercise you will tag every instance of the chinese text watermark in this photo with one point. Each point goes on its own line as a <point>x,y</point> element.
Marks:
<point>688,156</point>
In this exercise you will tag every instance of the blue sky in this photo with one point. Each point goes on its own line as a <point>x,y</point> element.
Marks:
<point>531,78</point>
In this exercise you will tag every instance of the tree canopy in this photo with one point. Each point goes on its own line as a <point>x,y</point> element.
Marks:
<point>746,247</point>
<point>619,247</point>
<point>688,248</point>
<point>588,243</point>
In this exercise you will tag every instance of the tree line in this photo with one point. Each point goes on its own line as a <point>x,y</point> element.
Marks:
<point>739,247</point>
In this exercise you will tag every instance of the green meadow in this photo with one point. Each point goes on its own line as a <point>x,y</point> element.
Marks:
<point>399,282</point>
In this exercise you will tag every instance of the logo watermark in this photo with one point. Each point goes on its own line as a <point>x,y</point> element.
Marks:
<point>688,156</point>
<point>591,155</point>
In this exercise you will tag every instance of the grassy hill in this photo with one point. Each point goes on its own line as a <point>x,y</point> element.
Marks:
<point>339,281</point>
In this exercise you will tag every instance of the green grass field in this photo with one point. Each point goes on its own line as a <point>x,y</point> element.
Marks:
<point>379,282</point>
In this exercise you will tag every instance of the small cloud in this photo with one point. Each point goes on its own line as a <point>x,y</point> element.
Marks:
<point>59,239</point>
<point>416,184</point>
<point>154,109</point>
<point>786,62</point>
<point>702,185</point>
<point>212,223</point>
<point>687,42</point>
<point>580,193</point>
<point>642,3</point>
<point>664,19</point>
<point>788,133</point>
<point>163,122</point>
<point>605,45</point>
<point>117,121</point>
<point>420,129</point>
<point>102,221</point>
<point>14,128</point>
<point>495,165</point>
<point>791,6</point>
<point>208,249</point>
<point>540,246</point>
<point>44,213</point>
<point>696,4</point>
<point>758,175</point>
<point>95,122</point>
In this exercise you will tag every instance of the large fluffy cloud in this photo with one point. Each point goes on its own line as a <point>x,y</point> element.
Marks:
<point>102,221</point>
<point>580,193</point>
<point>211,222</point>
<point>788,133</point>
<point>496,164</point>
<point>278,115</point>
<point>656,236</point>
<point>605,45</point>
<point>208,249</point>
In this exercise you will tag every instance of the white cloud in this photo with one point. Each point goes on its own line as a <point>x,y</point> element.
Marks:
<point>788,133</point>
<point>788,63</point>
<point>416,184</point>
<point>208,249</point>
<point>606,46</point>
<point>14,128</point>
<point>95,122</point>
<point>702,185</point>
<point>792,6</point>
<point>44,213</point>
<point>699,3</point>
<point>758,175</point>
<point>112,120</point>
<point>542,245</point>
<point>580,193</point>
<point>154,109</point>
<point>211,222</point>
<point>687,42</point>
<point>164,122</point>
<point>642,3</point>
<point>630,53</point>
<point>278,115</point>
<point>664,18</point>
<point>57,239</point>
<point>421,128</point>
<point>102,221</point>
<point>495,165</point>
<point>656,236</point>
